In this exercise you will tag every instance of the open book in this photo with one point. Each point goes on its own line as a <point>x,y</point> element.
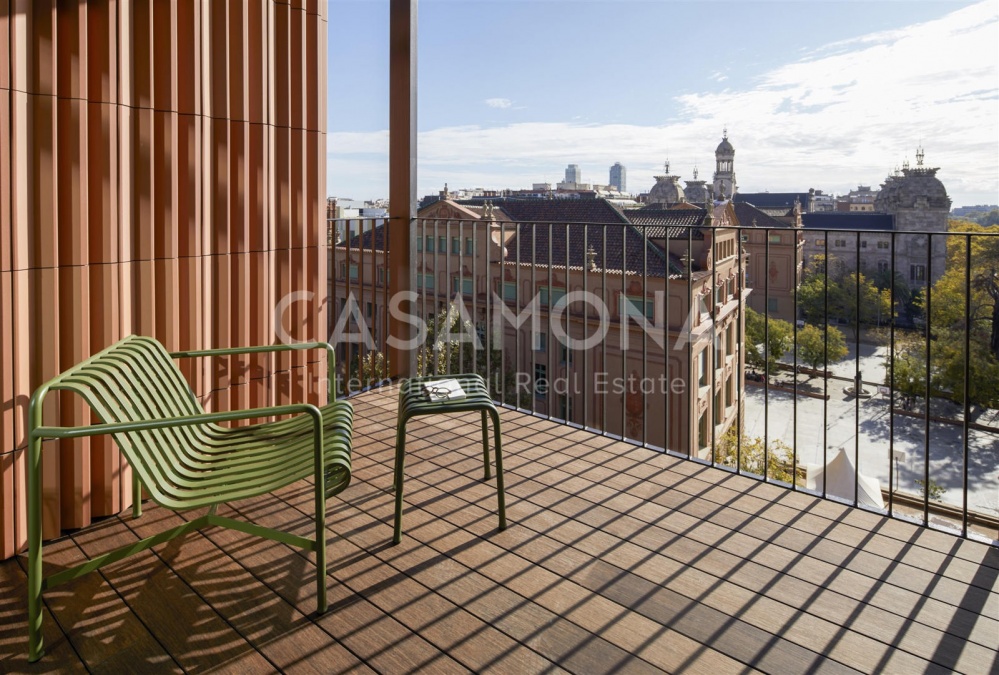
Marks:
<point>443,390</point>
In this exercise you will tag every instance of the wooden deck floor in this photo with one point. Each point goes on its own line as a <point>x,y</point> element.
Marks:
<point>616,559</point>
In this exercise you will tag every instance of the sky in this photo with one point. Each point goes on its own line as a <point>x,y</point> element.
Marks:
<point>813,93</point>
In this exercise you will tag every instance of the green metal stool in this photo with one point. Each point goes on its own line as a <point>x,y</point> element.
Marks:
<point>413,403</point>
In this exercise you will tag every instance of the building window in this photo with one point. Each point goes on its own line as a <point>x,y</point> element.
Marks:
<point>744,238</point>
<point>863,244</point>
<point>469,246</point>
<point>419,244</point>
<point>840,243</point>
<point>882,266</point>
<point>565,355</point>
<point>368,309</point>
<point>774,239</point>
<point>383,276</point>
<point>772,305</point>
<point>883,244</point>
<point>702,366</point>
<point>425,281</point>
<point>820,242</point>
<point>640,305</point>
<point>430,244</point>
<point>541,342</point>
<point>556,295</point>
<point>509,291</point>
<point>455,245</point>
<point>917,272</point>
<point>540,380</point>
<point>730,340</point>
<point>462,285</point>
<point>565,408</point>
<point>442,244</point>
<point>354,272</point>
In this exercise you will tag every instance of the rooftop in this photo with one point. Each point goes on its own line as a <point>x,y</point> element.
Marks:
<point>616,557</point>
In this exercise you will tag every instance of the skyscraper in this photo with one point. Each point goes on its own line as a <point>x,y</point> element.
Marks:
<point>573,174</point>
<point>618,176</point>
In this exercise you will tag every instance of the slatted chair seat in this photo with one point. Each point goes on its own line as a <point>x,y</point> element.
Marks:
<point>183,457</point>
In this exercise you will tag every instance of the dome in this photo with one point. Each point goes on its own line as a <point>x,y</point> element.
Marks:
<point>667,190</point>
<point>915,188</point>
<point>696,191</point>
<point>725,148</point>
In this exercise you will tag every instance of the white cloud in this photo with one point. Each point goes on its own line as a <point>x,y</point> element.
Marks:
<point>845,114</point>
<point>499,102</point>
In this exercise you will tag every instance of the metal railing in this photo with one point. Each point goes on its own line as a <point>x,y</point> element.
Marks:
<point>853,378</point>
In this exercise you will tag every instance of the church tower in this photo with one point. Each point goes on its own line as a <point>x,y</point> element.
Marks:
<point>724,179</point>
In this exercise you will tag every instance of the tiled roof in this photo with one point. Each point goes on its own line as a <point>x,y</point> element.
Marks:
<point>772,200</point>
<point>750,216</point>
<point>561,210</point>
<point>843,220</point>
<point>364,239</point>
<point>657,222</point>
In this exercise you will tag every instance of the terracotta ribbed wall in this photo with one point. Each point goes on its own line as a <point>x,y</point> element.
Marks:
<point>162,171</point>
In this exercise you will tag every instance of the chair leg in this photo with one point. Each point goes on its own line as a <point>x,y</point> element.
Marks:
<point>400,460</point>
<point>485,444</point>
<point>35,647</point>
<point>500,492</point>
<point>136,496</point>
<point>322,602</point>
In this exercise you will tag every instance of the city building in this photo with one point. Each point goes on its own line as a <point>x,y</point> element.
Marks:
<point>913,204</point>
<point>618,177</point>
<point>573,175</point>
<point>775,258</point>
<point>860,200</point>
<point>648,267</point>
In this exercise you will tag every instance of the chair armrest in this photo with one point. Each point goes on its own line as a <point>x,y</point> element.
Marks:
<point>185,421</point>
<point>263,349</point>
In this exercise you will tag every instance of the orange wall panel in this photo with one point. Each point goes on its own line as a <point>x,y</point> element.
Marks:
<point>162,172</point>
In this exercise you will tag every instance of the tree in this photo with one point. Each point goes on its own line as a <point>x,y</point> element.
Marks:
<point>822,297</point>
<point>777,460</point>
<point>773,335</point>
<point>964,305</point>
<point>818,348</point>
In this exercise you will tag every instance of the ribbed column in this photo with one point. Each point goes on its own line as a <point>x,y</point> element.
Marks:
<point>162,172</point>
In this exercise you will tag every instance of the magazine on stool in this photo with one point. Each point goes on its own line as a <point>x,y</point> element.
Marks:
<point>443,390</point>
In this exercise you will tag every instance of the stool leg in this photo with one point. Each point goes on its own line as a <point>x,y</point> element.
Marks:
<point>485,444</point>
<point>400,460</point>
<point>500,492</point>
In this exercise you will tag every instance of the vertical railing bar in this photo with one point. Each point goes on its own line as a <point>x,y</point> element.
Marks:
<point>434,351</point>
<point>929,361</point>
<point>693,398</point>
<point>741,356</point>
<point>967,381</point>
<point>585,356</point>
<point>715,413</point>
<point>447,295</point>
<point>825,359</point>
<point>645,334</point>
<point>549,389</point>
<point>858,385</point>
<point>766,352</point>
<point>385,296</point>
<point>568,326</point>
<point>487,285</point>
<point>794,358</point>
<point>461,293</point>
<point>603,343</point>
<point>669,344</point>
<point>625,326</point>
<point>891,386</point>
<point>534,272</point>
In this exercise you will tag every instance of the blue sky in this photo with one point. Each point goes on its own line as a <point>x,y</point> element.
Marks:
<point>814,94</point>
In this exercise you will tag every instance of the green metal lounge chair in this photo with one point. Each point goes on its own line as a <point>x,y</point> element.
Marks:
<point>183,457</point>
